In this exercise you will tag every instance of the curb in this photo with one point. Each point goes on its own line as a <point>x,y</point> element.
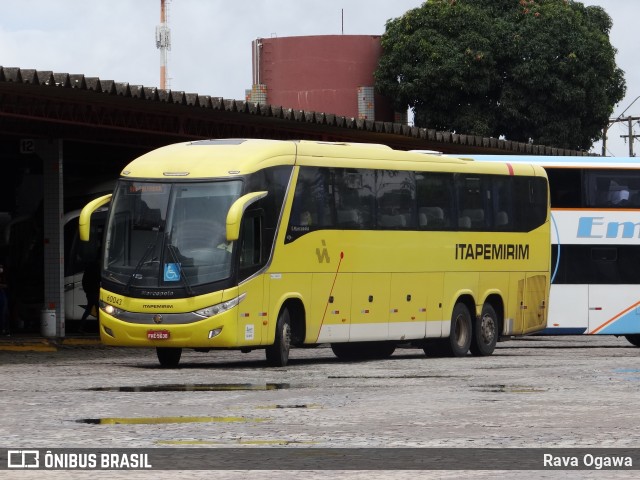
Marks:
<point>41,344</point>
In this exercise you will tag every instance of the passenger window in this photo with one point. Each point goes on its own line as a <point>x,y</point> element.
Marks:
<point>395,199</point>
<point>355,198</point>
<point>501,196</point>
<point>619,189</point>
<point>565,188</point>
<point>312,199</point>
<point>274,180</point>
<point>472,200</point>
<point>531,198</point>
<point>434,195</point>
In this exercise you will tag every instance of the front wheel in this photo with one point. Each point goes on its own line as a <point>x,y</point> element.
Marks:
<point>278,353</point>
<point>168,357</point>
<point>633,339</point>
<point>485,332</point>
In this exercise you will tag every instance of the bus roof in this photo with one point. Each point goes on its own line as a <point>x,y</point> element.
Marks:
<point>561,161</point>
<point>211,158</point>
<point>230,157</point>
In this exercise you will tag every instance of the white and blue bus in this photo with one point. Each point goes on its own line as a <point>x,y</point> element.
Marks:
<point>595,204</point>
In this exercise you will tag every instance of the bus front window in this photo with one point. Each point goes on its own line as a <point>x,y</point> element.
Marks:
<point>196,243</point>
<point>163,235</point>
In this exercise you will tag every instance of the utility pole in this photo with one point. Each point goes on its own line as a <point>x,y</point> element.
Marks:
<point>630,135</point>
<point>163,42</point>
<point>620,118</point>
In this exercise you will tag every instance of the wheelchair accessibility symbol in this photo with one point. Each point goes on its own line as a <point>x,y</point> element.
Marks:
<point>171,272</point>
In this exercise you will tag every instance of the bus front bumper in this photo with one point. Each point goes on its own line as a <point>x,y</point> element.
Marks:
<point>219,331</point>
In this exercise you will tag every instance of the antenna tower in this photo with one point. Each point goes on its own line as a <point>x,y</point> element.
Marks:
<point>163,42</point>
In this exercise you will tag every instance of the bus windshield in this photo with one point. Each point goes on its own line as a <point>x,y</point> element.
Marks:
<point>162,235</point>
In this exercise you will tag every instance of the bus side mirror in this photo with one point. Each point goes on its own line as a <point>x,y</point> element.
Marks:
<point>234,216</point>
<point>84,222</point>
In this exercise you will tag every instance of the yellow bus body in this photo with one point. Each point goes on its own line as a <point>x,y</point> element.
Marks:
<point>349,285</point>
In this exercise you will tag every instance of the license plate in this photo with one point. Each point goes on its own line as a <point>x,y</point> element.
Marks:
<point>157,334</point>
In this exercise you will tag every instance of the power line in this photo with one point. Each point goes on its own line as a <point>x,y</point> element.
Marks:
<point>630,135</point>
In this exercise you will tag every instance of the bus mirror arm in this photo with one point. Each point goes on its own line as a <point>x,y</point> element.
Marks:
<point>234,216</point>
<point>84,222</point>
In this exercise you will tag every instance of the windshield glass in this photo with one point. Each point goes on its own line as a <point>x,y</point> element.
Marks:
<point>169,235</point>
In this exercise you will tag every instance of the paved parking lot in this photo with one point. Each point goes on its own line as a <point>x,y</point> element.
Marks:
<point>544,392</point>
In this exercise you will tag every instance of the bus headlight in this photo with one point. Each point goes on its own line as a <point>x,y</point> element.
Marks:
<point>220,307</point>
<point>110,309</point>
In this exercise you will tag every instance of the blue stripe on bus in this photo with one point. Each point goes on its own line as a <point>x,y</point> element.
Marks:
<point>628,323</point>
<point>562,331</point>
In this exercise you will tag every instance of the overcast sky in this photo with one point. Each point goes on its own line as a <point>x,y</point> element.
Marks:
<point>211,39</point>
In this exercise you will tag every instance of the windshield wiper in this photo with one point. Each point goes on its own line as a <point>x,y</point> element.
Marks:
<point>150,248</point>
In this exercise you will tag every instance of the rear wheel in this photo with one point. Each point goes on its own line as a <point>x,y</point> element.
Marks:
<point>345,351</point>
<point>382,350</point>
<point>485,332</point>
<point>457,345</point>
<point>168,357</point>
<point>633,339</point>
<point>278,353</point>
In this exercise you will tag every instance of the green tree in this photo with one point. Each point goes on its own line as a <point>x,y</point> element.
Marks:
<point>531,70</point>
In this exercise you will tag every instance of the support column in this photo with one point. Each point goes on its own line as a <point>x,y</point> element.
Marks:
<point>51,153</point>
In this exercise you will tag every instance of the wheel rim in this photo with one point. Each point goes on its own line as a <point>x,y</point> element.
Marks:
<point>487,329</point>
<point>286,337</point>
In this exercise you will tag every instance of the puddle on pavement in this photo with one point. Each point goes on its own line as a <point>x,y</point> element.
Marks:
<point>163,420</point>
<point>389,377</point>
<point>214,387</point>
<point>629,374</point>
<point>508,389</point>
<point>301,405</point>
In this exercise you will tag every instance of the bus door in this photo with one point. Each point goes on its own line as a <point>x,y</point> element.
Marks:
<point>533,302</point>
<point>252,316</point>
<point>370,307</point>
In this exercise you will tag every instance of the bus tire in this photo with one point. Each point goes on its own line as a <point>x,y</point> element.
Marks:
<point>383,350</point>
<point>168,357</point>
<point>378,350</point>
<point>345,351</point>
<point>633,339</point>
<point>461,331</point>
<point>278,353</point>
<point>485,332</point>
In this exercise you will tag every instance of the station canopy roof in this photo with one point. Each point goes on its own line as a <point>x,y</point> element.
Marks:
<point>44,104</point>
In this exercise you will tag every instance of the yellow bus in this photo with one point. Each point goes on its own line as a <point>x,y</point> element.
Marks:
<point>261,244</point>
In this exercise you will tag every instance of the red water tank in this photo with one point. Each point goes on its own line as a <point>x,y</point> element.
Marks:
<point>327,73</point>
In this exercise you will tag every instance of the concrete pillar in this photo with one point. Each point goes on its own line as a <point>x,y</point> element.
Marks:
<point>50,151</point>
